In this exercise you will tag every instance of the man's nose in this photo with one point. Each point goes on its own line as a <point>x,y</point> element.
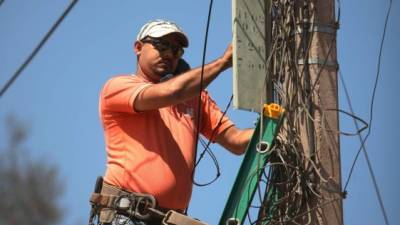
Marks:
<point>167,53</point>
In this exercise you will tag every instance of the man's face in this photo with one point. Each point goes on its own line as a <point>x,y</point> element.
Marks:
<point>158,57</point>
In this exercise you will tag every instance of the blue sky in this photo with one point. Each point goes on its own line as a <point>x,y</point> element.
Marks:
<point>57,94</point>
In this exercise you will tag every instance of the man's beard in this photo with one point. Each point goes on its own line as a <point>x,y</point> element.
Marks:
<point>163,75</point>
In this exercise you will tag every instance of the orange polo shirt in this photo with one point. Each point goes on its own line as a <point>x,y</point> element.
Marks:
<point>153,151</point>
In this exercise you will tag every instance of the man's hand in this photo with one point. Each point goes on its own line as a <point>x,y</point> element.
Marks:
<point>227,57</point>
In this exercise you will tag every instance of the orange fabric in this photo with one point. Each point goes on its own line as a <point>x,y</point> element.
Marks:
<point>153,151</point>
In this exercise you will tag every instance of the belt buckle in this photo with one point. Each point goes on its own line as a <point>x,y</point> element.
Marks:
<point>136,205</point>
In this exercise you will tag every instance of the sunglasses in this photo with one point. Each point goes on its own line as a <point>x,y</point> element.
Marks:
<point>163,46</point>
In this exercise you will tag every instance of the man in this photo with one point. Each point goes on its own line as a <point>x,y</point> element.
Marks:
<point>150,121</point>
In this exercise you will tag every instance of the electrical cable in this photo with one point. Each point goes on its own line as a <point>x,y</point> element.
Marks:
<point>295,170</point>
<point>1,2</point>
<point>215,129</point>
<point>295,173</point>
<point>362,147</point>
<point>37,48</point>
<point>352,115</point>
<point>207,149</point>
<point>215,161</point>
<point>201,88</point>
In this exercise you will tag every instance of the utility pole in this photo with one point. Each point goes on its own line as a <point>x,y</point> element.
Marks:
<point>316,37</point>
<point>292,62</point>
<point>304,72</point>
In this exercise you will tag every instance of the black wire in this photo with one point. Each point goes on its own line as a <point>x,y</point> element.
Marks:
<point>215,161</point>
<point>372,100</point>
<point>38,47</point>
<point>362,147</point>
<point>208,150</point>
<point>213,157</point>
<point>201,87</point>
<point>1,2</point>
<point>215,129</point>
<point>352,115</point>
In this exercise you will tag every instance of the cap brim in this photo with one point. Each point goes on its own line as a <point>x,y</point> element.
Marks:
<point>162,32</point>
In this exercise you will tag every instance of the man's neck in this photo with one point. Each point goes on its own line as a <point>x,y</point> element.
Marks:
<point>147,77</point>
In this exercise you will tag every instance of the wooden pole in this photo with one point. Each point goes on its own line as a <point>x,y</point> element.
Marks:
<point>306,70</point>
<point>321,135</point>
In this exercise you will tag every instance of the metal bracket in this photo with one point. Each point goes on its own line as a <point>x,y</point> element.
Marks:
<point>319,27</point>
<point>319,61</point>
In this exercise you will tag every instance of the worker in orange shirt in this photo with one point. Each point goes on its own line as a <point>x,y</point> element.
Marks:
<point>149,120</point>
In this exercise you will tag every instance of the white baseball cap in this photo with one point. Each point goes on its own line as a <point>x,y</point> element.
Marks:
<point>158,28</point>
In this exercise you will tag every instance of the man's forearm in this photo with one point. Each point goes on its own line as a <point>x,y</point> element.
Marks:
<point>188,83</point>
<point>235,139</point>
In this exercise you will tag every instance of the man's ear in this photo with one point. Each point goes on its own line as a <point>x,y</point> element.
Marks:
<point>137,47</point>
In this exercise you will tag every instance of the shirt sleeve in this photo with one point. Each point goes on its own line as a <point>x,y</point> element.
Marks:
<point>213,120</point>
<point>119,94</point>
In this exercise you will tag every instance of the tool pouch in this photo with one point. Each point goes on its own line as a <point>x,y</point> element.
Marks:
<point>107,215</point>
<point>94,212</point>
<point>104,214</point>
